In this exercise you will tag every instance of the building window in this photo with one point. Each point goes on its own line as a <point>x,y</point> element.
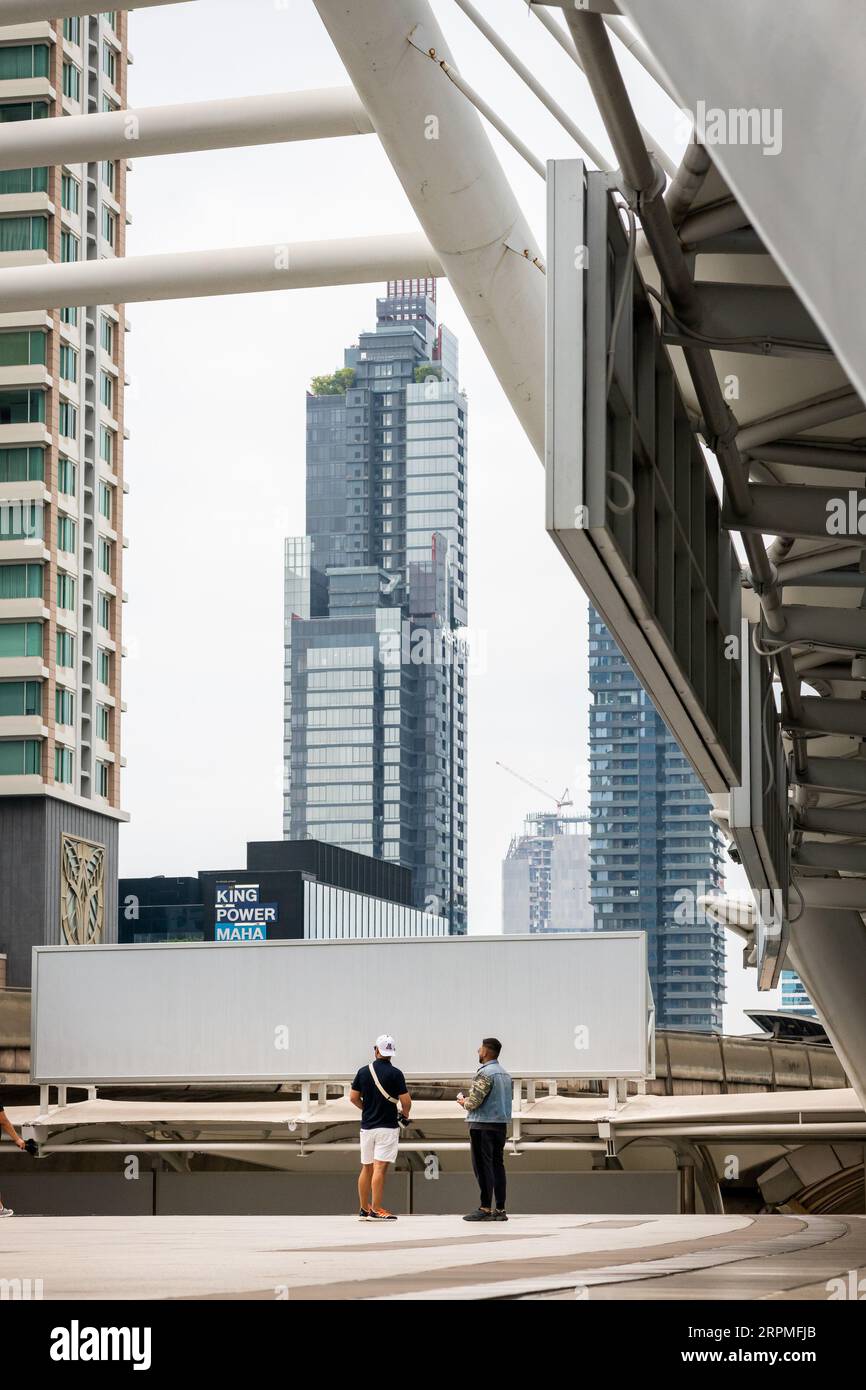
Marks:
<point>70,246</point>
<point>67,420</point>
<point>66,592</point>
<point>66,476</point>
<point>106,335</point>
<point>103,666</point>
<point>106,390</point>
<point>20,581</point>
<point>24,181</point>
<point>65,534</point>
<point>105,500</point>
<point>71,81</point>
<point>103,611</point>
<point>22,348</point>
<point>64,706</point>
<point>69,316</point>
<point>20,757</point>
<point>20,698</point>
<point>68,362</point>
<point>109,225</point>
<point>108,174</point>
<point>20,521</point>
<point>22,407</point>
<point>63,765</point>
<point>102,779</point>
<point>20,639</point>
<point>23,61</point>
<point>109,63</point>
<point>23,233</point>
<point>103,723</point>
<point>70,193</point>
<point>72,29</point>
<point>104,550</point>
<point>65,649</point>
<point>106,445</point>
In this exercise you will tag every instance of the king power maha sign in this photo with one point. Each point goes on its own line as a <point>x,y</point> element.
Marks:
<point>240,915</point>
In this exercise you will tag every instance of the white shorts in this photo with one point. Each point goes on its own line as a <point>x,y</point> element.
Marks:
<point>379,1145</point>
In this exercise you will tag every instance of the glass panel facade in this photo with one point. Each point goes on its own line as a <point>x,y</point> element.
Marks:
<point>653,849</point>
<point>375,680</point>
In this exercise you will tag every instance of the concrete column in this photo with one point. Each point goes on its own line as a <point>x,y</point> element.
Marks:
<point>827,949</point>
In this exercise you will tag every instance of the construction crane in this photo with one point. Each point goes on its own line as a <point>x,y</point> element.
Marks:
<point>564,800</point>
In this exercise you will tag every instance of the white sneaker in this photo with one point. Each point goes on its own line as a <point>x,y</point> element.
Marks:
<point>6,1211</point>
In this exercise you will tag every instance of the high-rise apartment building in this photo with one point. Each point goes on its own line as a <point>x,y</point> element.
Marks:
<point>654,849</point>
<point>793,997</point>
<point>545,876</point>
<point>375,670</point>
<point>61,508</point>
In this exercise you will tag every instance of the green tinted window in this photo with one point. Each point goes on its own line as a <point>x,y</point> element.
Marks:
<point>22,349</point>
<point>65,649</point>
<point>22,61</point>
<point>22,465</point>
<point>64,706</point>
<point>23,233</point>
<point>20,698</point>
<point>24,181</point>
<point>22,407</point>
<point>20,757</point>
<point>20,639</point>
<point>20,581</point>
<point>65,591</point>
<point>63,764</point>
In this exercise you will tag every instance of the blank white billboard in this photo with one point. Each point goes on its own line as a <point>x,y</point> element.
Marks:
<point>563,1006</point>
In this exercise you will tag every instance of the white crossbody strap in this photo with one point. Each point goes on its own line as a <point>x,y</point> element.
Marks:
<point>379,1086</point>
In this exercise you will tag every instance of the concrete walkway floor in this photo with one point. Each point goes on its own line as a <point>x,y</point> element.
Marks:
<point>433,1257</point>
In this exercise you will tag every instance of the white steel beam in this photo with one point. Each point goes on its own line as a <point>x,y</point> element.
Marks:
<point>443,157</point>
<point>178,129</point>
<point>29,11</point>
<point>193,274</point>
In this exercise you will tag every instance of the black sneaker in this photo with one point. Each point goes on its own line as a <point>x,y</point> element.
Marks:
<point>363,1214</point>
<point>380,1214</point>
<point>480,1215</point>
<point>499,1216</point>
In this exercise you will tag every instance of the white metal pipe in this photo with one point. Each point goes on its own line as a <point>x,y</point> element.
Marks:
<point>443,157</point>
<point>566,42</point>
<point>757,1133</point>
<point>29,11</point>
<point>495,120</point>
<point>818,563</point>
<point>805,417</point>
<point>300,1147</point>
<point>193,274</point>
<point>178,129</point>
<point>523,72</point>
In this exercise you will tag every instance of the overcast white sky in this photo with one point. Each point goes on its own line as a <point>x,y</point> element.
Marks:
<point>216,458</point>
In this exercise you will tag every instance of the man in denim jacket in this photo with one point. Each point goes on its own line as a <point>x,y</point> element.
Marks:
<point>488,1110</point>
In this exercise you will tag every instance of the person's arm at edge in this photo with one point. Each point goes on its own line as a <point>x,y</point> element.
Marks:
<point>7,1126</point>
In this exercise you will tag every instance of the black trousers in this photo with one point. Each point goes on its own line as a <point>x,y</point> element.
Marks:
<point>488,1147</point>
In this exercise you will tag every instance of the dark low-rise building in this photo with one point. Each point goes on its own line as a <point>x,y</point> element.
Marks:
<point>301,889</point>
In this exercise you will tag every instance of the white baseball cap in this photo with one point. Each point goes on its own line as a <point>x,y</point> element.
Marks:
<point>386,1045</point>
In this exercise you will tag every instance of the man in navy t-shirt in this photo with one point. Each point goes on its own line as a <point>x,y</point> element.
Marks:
<point>379,1092</point>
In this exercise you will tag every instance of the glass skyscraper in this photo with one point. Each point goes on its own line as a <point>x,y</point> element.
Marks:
<point>375,596</point>
<point>794,998</point>
<point>653,848</point>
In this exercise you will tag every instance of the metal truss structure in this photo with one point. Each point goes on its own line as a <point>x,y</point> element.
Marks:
<point>751,247</point>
